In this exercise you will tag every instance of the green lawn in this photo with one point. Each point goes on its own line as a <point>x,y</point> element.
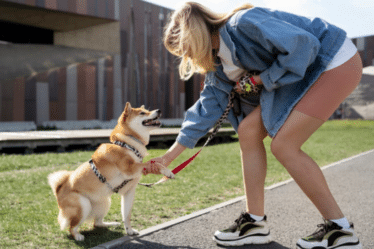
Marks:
<point>28,209</point>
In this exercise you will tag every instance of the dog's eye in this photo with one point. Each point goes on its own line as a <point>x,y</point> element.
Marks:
<point>142,113</point>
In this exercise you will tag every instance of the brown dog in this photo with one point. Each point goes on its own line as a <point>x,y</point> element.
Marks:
<point>115,168</point>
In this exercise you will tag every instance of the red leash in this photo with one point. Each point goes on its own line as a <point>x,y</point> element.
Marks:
<point>175,170</point>
<point>180,167</point>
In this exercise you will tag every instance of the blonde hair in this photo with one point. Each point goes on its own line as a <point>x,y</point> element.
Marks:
<point>188,35</point>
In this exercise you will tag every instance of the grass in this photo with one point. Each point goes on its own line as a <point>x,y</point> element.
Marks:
<point>28,209</point>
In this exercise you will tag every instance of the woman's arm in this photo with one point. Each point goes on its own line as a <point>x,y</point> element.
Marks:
<point>175,150</point>
<point>200,118</point>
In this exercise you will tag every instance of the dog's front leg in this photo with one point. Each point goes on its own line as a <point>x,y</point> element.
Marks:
<point>127,200</point>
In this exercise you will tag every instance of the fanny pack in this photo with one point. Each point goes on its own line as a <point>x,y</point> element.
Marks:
<point>251,98</point>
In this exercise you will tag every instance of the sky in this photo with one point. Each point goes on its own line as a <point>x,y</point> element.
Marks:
<point>356,17</point>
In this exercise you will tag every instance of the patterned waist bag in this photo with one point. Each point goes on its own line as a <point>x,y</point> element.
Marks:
<point>244,91</point>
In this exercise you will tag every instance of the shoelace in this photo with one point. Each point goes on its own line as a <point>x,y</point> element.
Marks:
<point>320,232</point>
<point>324,228</point>
<point>244,217</point>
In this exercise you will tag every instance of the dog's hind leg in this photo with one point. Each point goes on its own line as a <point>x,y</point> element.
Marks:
<point>127,200</point>
<point>78,214</point>
<point>100,210</point>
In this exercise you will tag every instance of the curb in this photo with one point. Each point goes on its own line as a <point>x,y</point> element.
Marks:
<point>168,224</point>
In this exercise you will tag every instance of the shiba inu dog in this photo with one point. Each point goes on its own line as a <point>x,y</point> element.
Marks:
<point>115,167</point>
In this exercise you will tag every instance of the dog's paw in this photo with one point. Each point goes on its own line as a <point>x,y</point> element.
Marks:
<point>107,224</point>
<point>131,232</point>
<point>167,172</point>
<point>78,237</point>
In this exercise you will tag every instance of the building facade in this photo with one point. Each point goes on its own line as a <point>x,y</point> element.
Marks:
<point>113,54</point>
<point>84,59</point>
<point>365,46</point>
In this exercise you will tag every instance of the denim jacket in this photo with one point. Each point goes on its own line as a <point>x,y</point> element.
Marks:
<point>290,51</point>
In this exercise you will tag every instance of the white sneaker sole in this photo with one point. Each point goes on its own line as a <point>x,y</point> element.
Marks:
<point>359,246</point>
<point>257,240</point>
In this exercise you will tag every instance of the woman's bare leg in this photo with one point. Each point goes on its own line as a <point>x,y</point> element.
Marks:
<point>251,135</point>
<point>320,102</point>
<point>286,147</point>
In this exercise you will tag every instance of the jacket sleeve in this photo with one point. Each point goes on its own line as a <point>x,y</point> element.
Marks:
<point>200,118</point>
<point>294,49</point>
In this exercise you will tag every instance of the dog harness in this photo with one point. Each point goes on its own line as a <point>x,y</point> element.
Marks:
<point>124,145</point>
<point>103,179</point>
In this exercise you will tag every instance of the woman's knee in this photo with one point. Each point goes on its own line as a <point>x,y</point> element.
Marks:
<point>276,147</point>
<point>251,128</point>
<point>283,148</point>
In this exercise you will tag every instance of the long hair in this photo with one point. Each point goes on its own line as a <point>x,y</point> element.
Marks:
<point>188,35</point>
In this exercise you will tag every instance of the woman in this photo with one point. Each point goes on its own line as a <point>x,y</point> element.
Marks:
<point>306,67</point>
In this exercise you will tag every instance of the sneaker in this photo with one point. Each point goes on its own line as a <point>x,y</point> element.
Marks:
<point>244,231</point>
<point>330,235</point>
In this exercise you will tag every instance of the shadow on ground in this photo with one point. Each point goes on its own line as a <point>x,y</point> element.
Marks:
<point>98,236</point>
<point>142,244</point>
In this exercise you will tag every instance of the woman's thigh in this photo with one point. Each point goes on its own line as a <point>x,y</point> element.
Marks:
<point>330,90</point>
<point>318,104</point>
<point>252,127</point>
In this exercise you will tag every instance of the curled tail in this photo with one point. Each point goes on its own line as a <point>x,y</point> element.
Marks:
<point>57,179</point>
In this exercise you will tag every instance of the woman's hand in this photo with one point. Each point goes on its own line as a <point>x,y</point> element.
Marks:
<point>258,80</point>
<point>175,150</point>
<point>248,83</point>
<point>152,168</point>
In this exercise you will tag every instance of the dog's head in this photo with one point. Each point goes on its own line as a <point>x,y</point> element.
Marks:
<point>139,119</point>
<point>136,122</point>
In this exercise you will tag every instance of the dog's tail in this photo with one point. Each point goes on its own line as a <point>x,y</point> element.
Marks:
<point>57,179</point>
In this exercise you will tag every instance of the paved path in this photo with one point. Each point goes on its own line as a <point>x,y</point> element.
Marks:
<point>290,214</point>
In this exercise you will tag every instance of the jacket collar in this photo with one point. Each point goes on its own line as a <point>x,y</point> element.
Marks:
<point>218,78</point>
<point>230,44</point>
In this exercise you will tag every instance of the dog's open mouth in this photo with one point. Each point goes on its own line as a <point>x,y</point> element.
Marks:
<point>152,122</point>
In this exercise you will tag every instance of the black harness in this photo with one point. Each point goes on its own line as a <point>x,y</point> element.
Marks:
<point>103,179</point>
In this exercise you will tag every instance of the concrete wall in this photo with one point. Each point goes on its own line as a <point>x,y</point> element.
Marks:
<point>360,104</point>
<point>105,37</point>
<point>63,16</point>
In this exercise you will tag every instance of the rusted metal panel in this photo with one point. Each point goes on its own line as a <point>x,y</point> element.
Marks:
<point>51,4</point>
<point>154,60</point>
<point>109,88</point>
<point>139,50</point>
<point>19,99</point>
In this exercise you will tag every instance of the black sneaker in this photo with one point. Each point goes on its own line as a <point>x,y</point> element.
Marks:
<point>330,235</point>
<point>244,231</point>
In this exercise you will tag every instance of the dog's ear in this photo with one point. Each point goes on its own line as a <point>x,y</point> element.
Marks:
<point>143,107</point>
<point>126,112</point>
<point>128,106</point>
